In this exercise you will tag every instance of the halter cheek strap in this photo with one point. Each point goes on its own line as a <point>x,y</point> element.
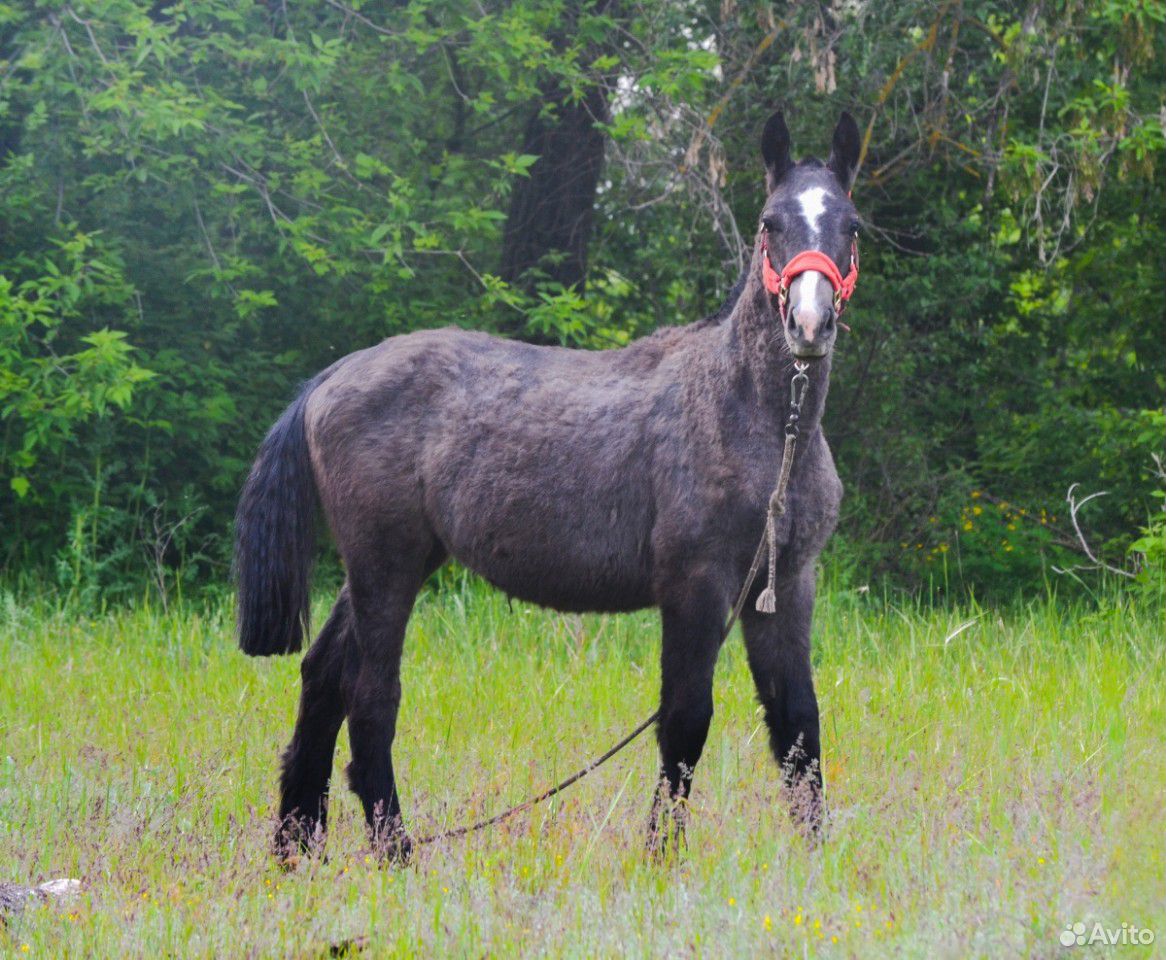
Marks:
<point>778,284</point>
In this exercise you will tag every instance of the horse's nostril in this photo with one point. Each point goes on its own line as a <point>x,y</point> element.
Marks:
<point>791,323</point>
<point>828,325</point>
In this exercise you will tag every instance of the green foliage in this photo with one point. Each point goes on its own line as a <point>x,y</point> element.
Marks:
<point>1148,551</point>
<point>205,202</point>
<point>54,379</point>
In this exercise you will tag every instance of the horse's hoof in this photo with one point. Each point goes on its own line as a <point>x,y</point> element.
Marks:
<point>807,808</point>
<point>660,850</point>
<point>394,848</point>
<point>654,846</point>
<point>399,851</point>
<point>812,826</point>
<point>296,839</point>
<point>667,834</point>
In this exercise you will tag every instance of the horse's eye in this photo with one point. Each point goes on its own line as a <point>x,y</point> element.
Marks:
<point>855,227</point>
<point>771,224</point>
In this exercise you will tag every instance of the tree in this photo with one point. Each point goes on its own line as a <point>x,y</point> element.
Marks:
<point>551,213</point>
<point>261,188</point>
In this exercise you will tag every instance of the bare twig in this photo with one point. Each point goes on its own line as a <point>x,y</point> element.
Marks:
<point>158,545</point>
<point>210,247</point>
<point>1074,506</point>
<point>360,18</point>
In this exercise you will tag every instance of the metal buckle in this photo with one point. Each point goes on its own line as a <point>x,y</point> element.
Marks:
<point>797,384</point>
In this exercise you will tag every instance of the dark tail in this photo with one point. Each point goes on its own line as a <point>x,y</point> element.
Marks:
<point>275,538</point>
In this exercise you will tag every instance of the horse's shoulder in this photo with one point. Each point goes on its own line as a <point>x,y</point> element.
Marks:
<point>826,471</point>
<point>816,499</point>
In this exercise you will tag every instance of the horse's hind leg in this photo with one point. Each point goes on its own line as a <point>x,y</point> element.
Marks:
<point>307,762</point>
<point>382,601</point>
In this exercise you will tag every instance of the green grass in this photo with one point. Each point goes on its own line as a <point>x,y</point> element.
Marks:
<point>984,791</point>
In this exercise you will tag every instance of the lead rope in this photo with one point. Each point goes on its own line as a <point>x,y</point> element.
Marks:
<point>766,603</point>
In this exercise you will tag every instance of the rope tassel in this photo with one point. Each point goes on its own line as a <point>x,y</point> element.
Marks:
<point>767,602</point>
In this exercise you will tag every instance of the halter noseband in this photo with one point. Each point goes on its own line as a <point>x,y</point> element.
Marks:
<point>778,284</point>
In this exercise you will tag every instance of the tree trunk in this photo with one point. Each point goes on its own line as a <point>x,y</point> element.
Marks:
<point>551,211</point>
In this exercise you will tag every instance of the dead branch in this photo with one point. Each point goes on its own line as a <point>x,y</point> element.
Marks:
<point>1075,506</point>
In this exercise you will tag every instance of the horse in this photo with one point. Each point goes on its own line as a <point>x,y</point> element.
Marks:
<point>580,480</point>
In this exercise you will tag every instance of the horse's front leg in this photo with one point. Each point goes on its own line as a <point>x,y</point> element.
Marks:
<point>692,638</point>
<point>778,646</point>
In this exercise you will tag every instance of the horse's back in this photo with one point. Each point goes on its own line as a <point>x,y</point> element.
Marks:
<point>531,465</point>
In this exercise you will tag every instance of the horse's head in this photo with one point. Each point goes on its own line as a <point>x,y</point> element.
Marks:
<point>807,240</point>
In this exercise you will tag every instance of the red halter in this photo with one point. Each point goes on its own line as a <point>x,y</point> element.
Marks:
<point>778,284</point>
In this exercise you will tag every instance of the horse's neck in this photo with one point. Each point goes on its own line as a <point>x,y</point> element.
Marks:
<point>757,358</point>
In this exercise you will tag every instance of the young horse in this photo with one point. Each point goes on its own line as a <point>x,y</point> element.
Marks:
<point>579,480</point>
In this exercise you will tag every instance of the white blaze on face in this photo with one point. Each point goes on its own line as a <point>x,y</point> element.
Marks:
<point>804,290</point>
<point>804,304</point>
<point>813,205</point>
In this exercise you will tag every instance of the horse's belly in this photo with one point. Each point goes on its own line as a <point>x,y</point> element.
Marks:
<point>583,550</point>
<point>568,586</point>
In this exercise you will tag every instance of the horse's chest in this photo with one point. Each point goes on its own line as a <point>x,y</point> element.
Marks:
<point>735,504</point>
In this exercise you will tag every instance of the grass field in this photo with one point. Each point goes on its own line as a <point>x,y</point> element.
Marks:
<point>984,791</point>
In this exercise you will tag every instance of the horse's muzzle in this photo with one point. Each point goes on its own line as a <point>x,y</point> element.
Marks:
<point>810,333</point>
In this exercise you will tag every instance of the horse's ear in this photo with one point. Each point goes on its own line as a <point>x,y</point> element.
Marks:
<point>844,151</point>
<point>775,150</point>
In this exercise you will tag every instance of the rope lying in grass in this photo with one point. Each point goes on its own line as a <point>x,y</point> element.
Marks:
<point>765,604</point>
<point>545,795</point>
